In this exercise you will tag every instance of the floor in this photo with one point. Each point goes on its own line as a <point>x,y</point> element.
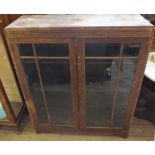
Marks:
<point>141,130</point>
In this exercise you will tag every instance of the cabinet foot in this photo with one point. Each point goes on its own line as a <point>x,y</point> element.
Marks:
<point>19,128</point>
<point>125,134</point>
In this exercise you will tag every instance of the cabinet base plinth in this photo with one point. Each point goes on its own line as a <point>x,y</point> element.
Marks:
<point>99,132</point>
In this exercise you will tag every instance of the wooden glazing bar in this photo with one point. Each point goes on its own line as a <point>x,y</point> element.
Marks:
<point>41,84</point>
<point>36,57</point>
<point>100,58</point>
<point>66,58</point>
<point>117,84</point>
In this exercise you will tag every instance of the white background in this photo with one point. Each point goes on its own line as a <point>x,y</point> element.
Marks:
<point>69,7</point>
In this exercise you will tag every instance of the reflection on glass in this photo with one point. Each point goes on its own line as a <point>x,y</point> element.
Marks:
<point>8,80</point>
<point>102,49</point>
<point>126,78</point>
<point>58,50</point>
<point>2,113</point>
<point>16,106</point>
<point>131,50</point>
<point>25,49</point>
<point>57,84</point>
<point>35,88</point>
<point>100,85</point>
<point>12,92</point>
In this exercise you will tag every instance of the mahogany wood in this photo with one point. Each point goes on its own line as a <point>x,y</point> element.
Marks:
<point>67,29</point>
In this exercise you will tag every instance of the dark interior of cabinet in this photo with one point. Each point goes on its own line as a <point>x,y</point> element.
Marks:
<point>108,77</point>
<point>109,74</point>
<point>49,80</point>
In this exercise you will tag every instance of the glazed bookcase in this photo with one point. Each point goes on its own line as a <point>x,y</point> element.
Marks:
<point>80,73</point>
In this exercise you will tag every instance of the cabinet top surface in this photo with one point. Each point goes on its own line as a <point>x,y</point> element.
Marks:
<point>83,20</point>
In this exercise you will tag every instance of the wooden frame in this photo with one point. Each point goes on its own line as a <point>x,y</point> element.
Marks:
<point>10,117</point>
<point>12,120</point>
<point>141,59</point>
<point>76,38</point>
<point>71,58</point>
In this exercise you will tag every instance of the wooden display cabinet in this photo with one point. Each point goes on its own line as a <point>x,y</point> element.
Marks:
<point>11,101</point>
<point>80,73</point>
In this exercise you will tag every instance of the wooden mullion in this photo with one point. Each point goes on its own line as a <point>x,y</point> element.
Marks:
<point>74,84</point>
<point>41,84</point>
<point>81,83</point>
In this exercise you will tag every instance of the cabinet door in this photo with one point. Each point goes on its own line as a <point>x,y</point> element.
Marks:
<point>50,70</point>
<point>106,73</point>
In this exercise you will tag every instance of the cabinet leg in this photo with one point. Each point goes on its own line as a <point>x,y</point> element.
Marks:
<point>19,128</point>
<point>125,134</point>
<point>37,130</point>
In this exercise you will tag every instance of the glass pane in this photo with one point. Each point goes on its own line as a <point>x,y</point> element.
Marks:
<point>12,92</point>
<point>131,50</point>
<point>2,113</point>
<point>52,49</point>
<point>100,85</point>
<point>57,84</point>
<point>102,49</point>
<point>25,49</point>
<point>34,85</point>
<point>16,106</point>
<point>13,96</point>
<point>126,77</point>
